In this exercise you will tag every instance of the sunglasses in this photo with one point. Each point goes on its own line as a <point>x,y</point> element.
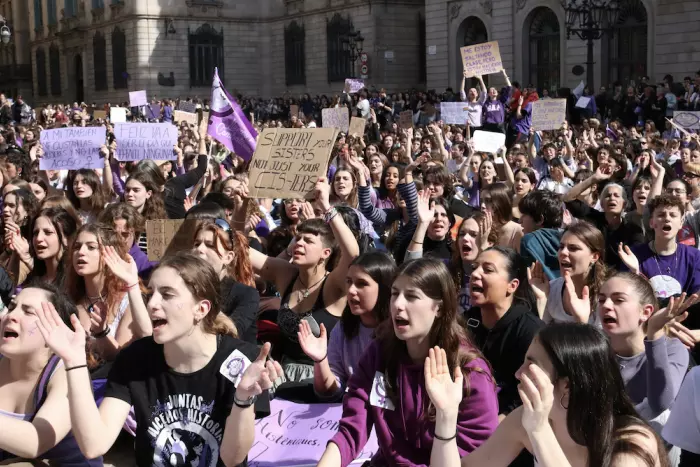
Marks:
<point>691,175</point>
<point>223,225</point>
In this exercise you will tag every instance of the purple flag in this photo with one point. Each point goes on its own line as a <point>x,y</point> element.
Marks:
<point>227,123</point>
<point>611,133</point>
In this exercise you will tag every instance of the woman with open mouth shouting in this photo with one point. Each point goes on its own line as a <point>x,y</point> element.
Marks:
<point>34,410</point>
<point>310,292</point>
<point>652,364</point>
<point>581,261</point>
<point>388,392</point>
<point>568,417</point>
<point>432,235</point>
<point>195,388</point>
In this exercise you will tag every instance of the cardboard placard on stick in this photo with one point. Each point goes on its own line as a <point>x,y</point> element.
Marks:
<point>548,114</point>
<point>99,114</point>
<point>288,162</point>
<point>357,126</point>
<point>481,59</point>
<point>182,116</point>
<point>406,119</point>
<point>168,236</point>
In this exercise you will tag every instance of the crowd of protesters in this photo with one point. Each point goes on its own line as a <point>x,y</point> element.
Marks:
<point>533,306</point>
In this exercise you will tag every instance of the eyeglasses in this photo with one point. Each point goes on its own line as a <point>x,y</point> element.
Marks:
<point>675,191</point>
<point>691,175</point>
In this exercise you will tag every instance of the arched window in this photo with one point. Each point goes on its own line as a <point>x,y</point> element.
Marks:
<point>41,72</point>
<point>51,11</point>
<point>99,58</point>
<point>295,54</point>
<point>339,64</point>
<point>543,68</point>
<point>206,53</point>
<point>625,48</point>
<point>119,73</point>
<point>472,31</point>
<point>55,67</point>
<point>38,15</point>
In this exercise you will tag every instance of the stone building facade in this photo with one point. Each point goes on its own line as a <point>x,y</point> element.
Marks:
<point>15,57</point>
<point>98,50</point>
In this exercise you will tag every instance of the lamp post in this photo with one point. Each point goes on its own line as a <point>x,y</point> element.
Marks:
<point>590,20</point>
<point>5,33</point>
<point>352,45</point>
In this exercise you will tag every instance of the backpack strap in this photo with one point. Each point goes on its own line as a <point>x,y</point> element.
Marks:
<point>40,393</point>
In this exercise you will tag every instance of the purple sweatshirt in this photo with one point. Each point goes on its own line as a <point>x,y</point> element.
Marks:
<point>494,111</point>
<point>141,259</point>
<point>405,434</point>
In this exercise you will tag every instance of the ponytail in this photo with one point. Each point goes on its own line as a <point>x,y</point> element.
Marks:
<point>221,324</point>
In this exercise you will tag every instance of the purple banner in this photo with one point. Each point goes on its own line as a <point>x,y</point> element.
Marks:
<point>227,123</point>
<point>295,435</point>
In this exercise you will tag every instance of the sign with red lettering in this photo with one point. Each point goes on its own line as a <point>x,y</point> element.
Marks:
<point>139,141</point>
<point>482,59</point>
<point>288,162</point>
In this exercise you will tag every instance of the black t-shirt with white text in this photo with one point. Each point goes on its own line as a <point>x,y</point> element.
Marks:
<point>181,417</point>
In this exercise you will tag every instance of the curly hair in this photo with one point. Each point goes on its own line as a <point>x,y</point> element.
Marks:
<point>240,269</point>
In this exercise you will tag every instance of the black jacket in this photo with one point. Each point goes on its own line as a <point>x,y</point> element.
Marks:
<point>241,303</point>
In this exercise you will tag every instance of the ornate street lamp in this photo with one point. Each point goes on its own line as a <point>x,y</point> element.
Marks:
<point>5,33</point>
<point>590,20</point>
<point>352,45</point>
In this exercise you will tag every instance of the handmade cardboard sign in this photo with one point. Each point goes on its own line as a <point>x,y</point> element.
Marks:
<point>138,98</point>
<point>182,116</point>
<point>481,59</point>
<point>357,126</point>
<point>548,114</point>
<point>288,162</point>
<point>406,119</point>
<point>72,148</point>
<point>488,141</point>
<point>336,118</point>
<point>454,113</point>
<point>139,141</point>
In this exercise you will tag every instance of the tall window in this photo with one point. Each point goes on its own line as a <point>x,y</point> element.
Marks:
<point>71,8</point>
<point>99,58</point>
<point>295,54</point>
<point>474,33</point>
<point>97,4</point>
<point>55,66</point>
<point>625,49</point>
<point>51,10</point>
<point>339,64</point>
<point>41,72</point>
<point>544,49</point>
<point>119,73</point>
<point>206,53</point>
<point>422,51</point>
<point>38,14</point>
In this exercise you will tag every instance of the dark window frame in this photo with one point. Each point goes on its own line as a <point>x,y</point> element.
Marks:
<point>55,70</point>
<point>544,51</point>
<point>120,75</point>
<point>624,49</point>
<point>99,58</point>
<point>339,63</point>
<point>41,82</point>
<point>295,54</point>
<point>206,50</point>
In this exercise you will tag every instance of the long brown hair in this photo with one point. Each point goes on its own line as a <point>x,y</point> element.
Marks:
<point>97,201</point>
<point>240,269</point>
<point>499,198</point>
<point>352,200</point>
<point>430,275</point>
<point>595,241</point>
<point>154,207</point>
<point>456,264</point>
<point>203,283</point>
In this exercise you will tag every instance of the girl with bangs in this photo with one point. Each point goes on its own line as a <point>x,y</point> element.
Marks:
<point>496,202</point>
<point>85,192</point>
<point>387,391</point>
<point>143,194</point>
<point>227,251</point>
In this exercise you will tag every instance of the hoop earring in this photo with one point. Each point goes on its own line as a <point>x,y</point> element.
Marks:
<point>561,402</point>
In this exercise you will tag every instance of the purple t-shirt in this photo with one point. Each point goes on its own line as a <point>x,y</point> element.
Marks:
<point>670,275</point>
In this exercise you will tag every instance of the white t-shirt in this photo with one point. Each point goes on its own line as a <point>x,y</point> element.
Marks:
<point>554,311</point>
<point>363,107</point>
<point>683,426</point>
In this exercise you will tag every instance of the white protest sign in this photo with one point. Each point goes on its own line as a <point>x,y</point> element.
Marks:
<point>548,114</point>
<point>336,118</point>
<point>454,113</point>
<point>686,119</point>
<point>353,85</point>
<point>481,59</point>
<point>72,148</point>
<point>288,162</point>
<point>139,141</point>
<point>578,92</point>
<point>138,98</point>
<point>117,115</point>
<point>488,141</point>
<point>582,102</point>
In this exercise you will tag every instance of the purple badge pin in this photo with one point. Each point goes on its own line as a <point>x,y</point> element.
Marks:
<point>235,367</point>
<point>381,390</point>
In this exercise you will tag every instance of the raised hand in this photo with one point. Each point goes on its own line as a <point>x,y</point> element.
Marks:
<point>689,337</point>
<point>259,376</point>
<point>188,203</point>
<point>674,311</point>
<point>64,342</point>
<point>537,393</point>
<point>538,281</point>
<point>316,348</point>
<point>445,393</point>
<point>323,191</point>
<point>425,214</point>
<point>578,307</point>
<point>251,223</point>
<point>485,229</point>
<point>125,270</point>
<point>307,211</point>
<point>629,258</point>
<point>603,172</point>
